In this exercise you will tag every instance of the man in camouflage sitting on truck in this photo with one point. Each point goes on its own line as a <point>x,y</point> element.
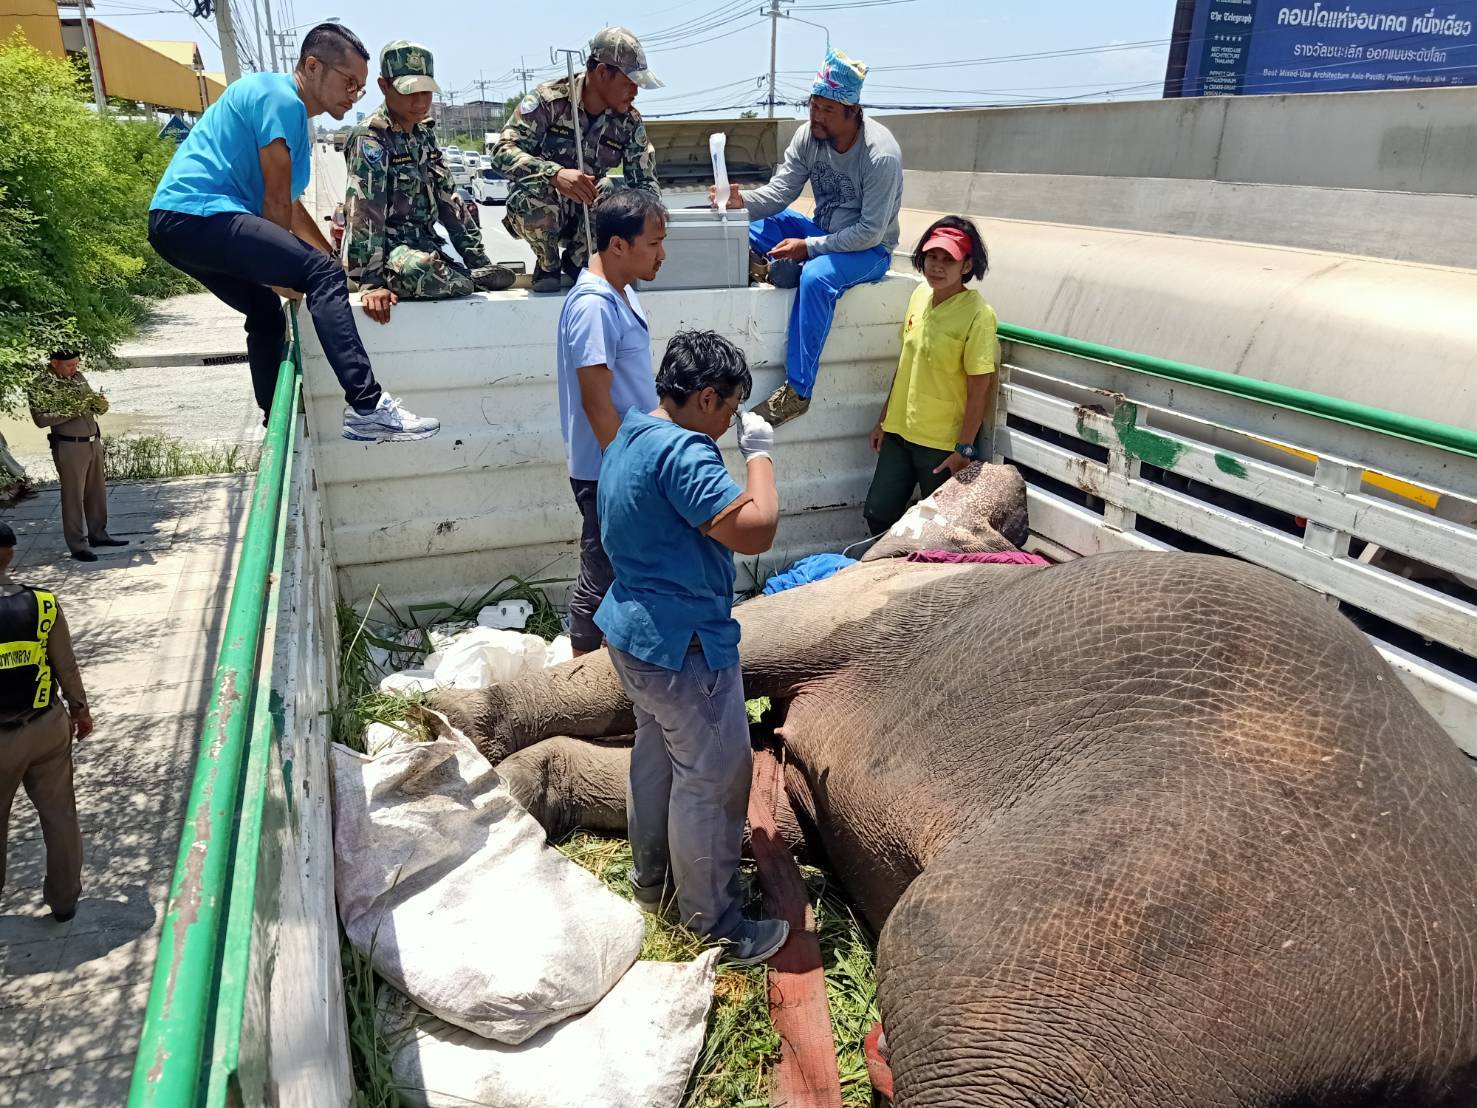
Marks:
<point>399,187</point>
<point>536,153</point>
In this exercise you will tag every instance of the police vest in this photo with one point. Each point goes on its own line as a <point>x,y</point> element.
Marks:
<point>26,619</point>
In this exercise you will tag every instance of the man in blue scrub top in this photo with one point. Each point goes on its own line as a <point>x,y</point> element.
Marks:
<point>604,368</point>
<point>227,213</point>
<point>671,518</point>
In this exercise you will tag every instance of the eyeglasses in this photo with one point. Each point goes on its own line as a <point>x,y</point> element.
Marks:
<point>354,87</point>
<point>733,416</point>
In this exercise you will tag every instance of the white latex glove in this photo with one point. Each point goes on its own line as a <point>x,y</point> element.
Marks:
<point>755,436</point>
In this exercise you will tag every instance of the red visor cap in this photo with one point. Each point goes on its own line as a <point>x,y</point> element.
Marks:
<point>952,240</point>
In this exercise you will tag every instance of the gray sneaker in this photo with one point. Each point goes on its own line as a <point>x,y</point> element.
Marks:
<point>754,941</point>
<point>389,422</point>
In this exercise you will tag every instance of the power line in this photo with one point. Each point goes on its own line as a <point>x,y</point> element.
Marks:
<point>704,41</point>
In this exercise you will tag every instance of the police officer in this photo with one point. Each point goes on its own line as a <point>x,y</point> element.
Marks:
<point>399,187</point>
<point>536,153</point>
<point>61,399</point>
<point>38,669</point>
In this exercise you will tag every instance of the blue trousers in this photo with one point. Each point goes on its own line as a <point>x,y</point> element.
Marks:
<point>822,281</point>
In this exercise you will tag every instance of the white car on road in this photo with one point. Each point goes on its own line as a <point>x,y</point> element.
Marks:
<point>455,161</point>
<point>489,186</point>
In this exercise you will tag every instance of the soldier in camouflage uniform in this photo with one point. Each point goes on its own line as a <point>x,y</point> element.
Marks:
<point>399,187</point>
<point>537,153</point>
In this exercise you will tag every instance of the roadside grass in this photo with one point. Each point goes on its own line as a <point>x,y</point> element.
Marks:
<point>163,457</point>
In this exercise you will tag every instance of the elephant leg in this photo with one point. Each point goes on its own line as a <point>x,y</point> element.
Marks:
<point>788,641</point>
<point>982,1007</point>
<point>567,783</point>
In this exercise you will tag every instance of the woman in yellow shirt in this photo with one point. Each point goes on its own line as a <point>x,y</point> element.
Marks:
<point>943,385</point>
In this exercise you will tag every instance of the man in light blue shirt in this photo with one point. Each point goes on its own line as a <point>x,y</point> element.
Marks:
<point>604,361</point>
<point>671,518</point>
<point>227,213</point>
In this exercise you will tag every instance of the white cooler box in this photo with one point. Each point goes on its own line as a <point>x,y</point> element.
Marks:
<point>705,250</point>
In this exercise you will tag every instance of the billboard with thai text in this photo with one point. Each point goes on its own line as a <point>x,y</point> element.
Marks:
<point>1250,47</point>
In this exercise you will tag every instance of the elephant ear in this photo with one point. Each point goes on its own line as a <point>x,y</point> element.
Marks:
<point>981,510</point>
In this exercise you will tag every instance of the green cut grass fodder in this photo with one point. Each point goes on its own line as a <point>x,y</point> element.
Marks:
<point>741,1047</point>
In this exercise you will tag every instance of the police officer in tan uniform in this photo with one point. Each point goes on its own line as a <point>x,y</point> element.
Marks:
<point>62,400</point>
<point>38,669</point>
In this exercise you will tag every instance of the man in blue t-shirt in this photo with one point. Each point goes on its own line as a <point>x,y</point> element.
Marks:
<point>604,355</point>
<point>227,213</point>
<point>671,518</point>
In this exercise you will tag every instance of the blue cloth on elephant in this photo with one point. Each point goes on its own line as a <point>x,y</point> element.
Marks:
<point>816,567</point>
<point>840,78</point>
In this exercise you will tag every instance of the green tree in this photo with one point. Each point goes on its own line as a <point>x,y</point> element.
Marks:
<point>75,263</point>
<point>749,114</point>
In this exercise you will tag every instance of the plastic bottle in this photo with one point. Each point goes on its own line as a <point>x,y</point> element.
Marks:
<point>717,143</point>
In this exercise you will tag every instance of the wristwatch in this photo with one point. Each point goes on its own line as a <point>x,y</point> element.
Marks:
<point>966,450</point>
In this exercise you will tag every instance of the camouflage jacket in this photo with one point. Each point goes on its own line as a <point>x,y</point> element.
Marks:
<point>399,187</point>
<point>538,141</point>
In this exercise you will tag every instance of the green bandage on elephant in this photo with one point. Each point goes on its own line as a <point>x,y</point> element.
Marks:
<point>1138,830</point>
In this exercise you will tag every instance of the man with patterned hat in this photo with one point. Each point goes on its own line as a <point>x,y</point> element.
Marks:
<point>537,154</point>
<point>855,170</point>
<point>399,187</point>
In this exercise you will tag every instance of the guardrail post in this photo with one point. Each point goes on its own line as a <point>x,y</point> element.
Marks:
<point>1340,479</point>
<point>1123,468</point>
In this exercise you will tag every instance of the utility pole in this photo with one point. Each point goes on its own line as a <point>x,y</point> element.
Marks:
<point>524,72</point>
<point>481,83</point>
<point>94,67</point>
<point>271,36</point>
<point>262,61</point>
<point>225,26</point>
<point>774,34</point>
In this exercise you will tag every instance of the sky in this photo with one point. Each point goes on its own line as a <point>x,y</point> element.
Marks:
<point>712,54</point>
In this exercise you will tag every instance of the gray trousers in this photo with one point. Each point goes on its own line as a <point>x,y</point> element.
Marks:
<point>689,787</point>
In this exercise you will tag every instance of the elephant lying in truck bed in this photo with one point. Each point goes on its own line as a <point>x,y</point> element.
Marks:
<point>1139,830</point>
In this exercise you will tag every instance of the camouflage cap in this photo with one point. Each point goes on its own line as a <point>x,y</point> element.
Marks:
<point>618,47</point>
<point>408,66</point>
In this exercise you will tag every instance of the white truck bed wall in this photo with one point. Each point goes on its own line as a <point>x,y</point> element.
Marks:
<point>489,496</point>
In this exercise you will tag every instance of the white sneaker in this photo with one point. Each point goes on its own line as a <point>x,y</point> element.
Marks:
<point>389,422</point>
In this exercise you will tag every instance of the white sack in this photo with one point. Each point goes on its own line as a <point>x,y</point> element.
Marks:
<point>636,1048</point>
<point>409,681</point>
<point>467,908</point>
<point>507,615</point>
<point>485,656</point>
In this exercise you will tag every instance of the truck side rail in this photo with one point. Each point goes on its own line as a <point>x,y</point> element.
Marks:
<point>1374,509</point>
<point>189,1049</point>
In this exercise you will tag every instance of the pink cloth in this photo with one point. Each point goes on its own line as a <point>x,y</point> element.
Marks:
<point>1004,557</point>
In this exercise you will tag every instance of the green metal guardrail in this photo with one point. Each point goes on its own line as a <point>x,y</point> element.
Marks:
<point>1426,431</point>
<point>180,1020</point>
<point>200,979</point>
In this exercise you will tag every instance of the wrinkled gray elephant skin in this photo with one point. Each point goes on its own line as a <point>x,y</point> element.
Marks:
<point>1138,830</point>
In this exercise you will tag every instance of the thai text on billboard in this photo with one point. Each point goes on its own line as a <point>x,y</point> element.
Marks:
<point>1253,47</point>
